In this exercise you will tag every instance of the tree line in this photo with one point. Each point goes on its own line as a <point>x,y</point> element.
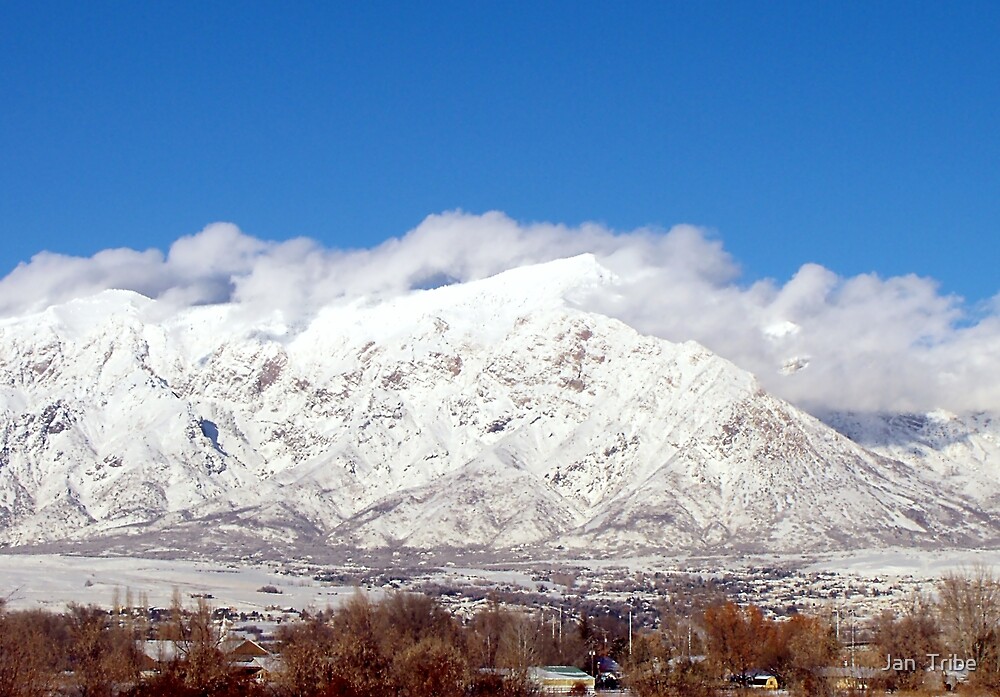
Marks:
<point>409,645</point>
<point>706,643</point>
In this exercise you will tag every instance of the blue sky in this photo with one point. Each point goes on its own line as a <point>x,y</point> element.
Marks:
<point>860,136</point>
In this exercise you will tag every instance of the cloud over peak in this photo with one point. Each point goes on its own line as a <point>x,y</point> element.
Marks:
<point>819,339</point>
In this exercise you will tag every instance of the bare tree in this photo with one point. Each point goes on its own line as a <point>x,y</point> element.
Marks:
<point>647,672</point>
<point>499,637</point>
<point>30,654</point>
<point>432,667</point>
<point>656,669</point>
<point>360,666</point>
<point>914,635</point>
<point>102,656</point>
<point>504,643</point>
<point>199,660</point>
<point>969,606</point>
<point>404,619</point>
<point>801,647</point>
<point>518,647</point>
<point>306,652</point>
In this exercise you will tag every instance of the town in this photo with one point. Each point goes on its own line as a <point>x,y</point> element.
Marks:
<point>581,628</point>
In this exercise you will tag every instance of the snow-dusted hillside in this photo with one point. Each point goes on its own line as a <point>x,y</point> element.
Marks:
<point>961,453</point>
<point>490,413</point>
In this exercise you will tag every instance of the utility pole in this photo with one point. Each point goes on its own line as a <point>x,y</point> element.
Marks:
<point>853,638</point>
<point>630,631</point>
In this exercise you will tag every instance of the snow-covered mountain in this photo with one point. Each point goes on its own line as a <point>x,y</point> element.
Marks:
<point>961,453</point>
<point>492,413</point>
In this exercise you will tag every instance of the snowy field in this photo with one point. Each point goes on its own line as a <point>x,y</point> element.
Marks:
<point>52,581</point>
<point>920,563</point>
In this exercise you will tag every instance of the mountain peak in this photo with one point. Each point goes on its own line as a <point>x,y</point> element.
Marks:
<point>483,309</point>
<point>548,282</point>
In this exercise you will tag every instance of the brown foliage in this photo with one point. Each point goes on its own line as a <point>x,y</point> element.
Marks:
<point>915,635</point>
<point>507,684</point>
<point>173,683</point>
<point>652,670</point>
<point>798,650</point>
<point>306,650</point>
<point>102,655</point>
<point>199,637</point>
<point>738,642</point>
<point>432,667</point>
<point>31,653</point>
<point>360,665</point>
<point>737,637</point>
<point>406,645</point>
<point>410,646</point>
<point>404,619</point>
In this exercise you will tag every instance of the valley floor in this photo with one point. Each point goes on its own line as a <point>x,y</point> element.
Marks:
<point>863,582</point>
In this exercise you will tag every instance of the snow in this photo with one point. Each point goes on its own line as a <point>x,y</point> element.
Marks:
<point>51,582</point>
<point>961,453</point>
<point>924,563</point>
<point>78,318</point>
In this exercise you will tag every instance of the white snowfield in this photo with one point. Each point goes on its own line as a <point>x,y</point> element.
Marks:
<point>52,582</point>
<point>488,414</point>
<point>925,564</point>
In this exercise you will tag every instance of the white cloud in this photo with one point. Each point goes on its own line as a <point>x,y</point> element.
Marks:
<point>865,342</point>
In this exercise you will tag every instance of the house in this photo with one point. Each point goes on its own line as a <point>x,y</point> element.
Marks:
<point>238,648</point>
<point>248,656</point>
<point>765,681</point>
<point>157,655</point>
<point>756,679</point>
<point>849,678</point>
<point>245,655</point>
<point>561,679</point>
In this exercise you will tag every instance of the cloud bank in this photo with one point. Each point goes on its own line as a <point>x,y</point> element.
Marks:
<point>818,339</point>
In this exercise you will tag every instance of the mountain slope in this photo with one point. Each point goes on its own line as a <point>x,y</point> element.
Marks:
<point>960,453</point>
